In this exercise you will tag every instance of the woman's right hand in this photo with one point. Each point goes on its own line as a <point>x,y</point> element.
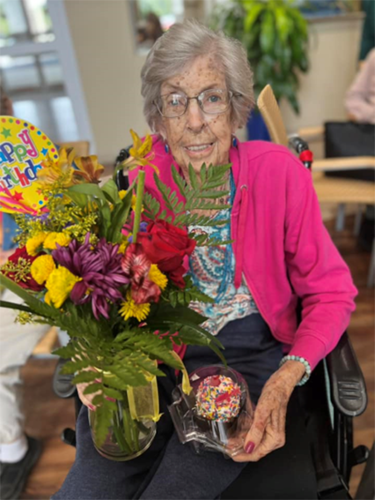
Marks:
<point>87,398</point>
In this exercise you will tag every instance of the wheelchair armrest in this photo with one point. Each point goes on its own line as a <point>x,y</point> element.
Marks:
<point>62,384</point>
<point>348,385</point>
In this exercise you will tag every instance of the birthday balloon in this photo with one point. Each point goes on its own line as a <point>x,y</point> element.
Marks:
<point>23,148</point>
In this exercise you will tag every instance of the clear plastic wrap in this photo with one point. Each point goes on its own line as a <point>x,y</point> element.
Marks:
<point>217,414</point>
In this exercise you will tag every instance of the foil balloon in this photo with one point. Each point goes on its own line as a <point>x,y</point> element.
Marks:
<point>23,147</point>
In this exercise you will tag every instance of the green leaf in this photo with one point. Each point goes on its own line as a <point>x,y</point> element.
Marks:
<point>36,305</point>
<point>119,217</point>
<point>17,307</point>
<point>103,418</point>
<point>92,388</point>
<point>112,393</point>
<point>85,377</point>
<point>267,35</point>
<point>78,198</point>
<point>252,15</point>
<point>89,190</point>
<point>203,173</point>
<point>111,191</point>
<point>193,177</point>
<point>284,24</point>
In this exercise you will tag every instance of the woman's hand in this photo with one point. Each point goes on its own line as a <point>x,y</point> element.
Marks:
<point>267,432</point>
<point>86,398</point>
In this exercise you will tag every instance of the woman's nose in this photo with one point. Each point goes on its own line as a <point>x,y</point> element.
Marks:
<point>195,116</point>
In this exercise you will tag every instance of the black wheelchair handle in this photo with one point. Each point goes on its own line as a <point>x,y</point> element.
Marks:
<point>302,149</point>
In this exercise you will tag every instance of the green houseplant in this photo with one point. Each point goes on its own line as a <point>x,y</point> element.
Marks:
<point>275,36</point>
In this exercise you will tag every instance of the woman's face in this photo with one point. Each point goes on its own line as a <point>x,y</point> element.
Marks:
<point>195,128</point>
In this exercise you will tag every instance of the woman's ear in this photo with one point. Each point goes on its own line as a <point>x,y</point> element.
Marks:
<point>161,131</point>
<point>234,127</point>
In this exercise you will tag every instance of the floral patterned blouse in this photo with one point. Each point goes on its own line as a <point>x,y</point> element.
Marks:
<point>212,270</point>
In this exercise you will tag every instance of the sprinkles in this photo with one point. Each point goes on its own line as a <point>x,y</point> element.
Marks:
<point>218,398</point>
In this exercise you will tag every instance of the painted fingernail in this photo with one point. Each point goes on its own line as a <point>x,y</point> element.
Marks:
<point>249,447</point>
<point>92,408</point>
<point>110,399</point>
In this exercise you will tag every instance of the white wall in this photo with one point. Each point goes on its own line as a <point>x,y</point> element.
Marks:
<point>109,67</point>
<point>333,54</point>
<point>102,35</point>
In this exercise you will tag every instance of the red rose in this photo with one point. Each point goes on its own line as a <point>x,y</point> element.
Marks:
<point>18,270</point>
<point>166,246</point>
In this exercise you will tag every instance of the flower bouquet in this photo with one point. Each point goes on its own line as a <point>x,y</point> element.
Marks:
<point>107,266</point>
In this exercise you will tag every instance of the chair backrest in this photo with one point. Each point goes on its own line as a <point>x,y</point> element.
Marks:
<point>82,148</point>
<point>271,114</point>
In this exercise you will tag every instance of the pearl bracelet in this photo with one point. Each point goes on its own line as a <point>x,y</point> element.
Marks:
<point>306,377</point>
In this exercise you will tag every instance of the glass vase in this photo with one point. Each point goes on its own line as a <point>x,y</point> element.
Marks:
<point>133,424</point>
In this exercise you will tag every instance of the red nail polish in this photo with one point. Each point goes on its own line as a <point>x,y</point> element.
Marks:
<point>92,408</point>
<point>249,447</point>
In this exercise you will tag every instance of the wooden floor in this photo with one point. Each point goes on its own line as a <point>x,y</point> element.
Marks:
<point>47,415</point>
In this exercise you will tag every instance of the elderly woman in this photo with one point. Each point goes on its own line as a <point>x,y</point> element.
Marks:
<point>197,88</point>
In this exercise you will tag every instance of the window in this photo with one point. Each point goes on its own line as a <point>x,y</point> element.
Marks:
<point>152,18</point>
<point>325,7</point>
<point>24,20</point>
<point>30,69</point>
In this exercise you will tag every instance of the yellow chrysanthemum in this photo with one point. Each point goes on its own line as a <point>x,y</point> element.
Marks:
<point>122,195</point>
<point>53,238</point>
<point>47,299</point>
<point>123,247</point>
<point>41,268</point>
<point>33,244</point>
<point>59,285</point>
<point>158,277</point>
<point>129,309</point>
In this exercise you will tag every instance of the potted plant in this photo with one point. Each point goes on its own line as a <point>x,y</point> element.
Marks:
<point>274,33</point>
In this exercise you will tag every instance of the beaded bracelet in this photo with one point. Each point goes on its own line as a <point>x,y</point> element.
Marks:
<point>306,377</point>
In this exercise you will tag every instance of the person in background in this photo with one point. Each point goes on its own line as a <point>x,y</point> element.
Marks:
<point>360,98</point>
<point>153,27</point>
<point>18,452</point>
<point>368,33</point>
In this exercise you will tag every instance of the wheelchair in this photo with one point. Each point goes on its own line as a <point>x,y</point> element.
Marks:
<point>335,393</point>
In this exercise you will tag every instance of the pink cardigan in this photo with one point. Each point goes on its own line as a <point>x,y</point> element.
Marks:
<point>282,249</point>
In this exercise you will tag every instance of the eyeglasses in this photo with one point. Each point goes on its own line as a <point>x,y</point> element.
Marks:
<point>211,101</point>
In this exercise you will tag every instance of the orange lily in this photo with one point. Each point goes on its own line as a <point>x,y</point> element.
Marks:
<point>89,169</point>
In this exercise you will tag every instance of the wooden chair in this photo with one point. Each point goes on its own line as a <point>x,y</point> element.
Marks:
<point>328,189</point>
<point>82,148</point>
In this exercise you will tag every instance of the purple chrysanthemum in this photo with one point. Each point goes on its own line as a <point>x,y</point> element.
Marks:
<point>100,270</point>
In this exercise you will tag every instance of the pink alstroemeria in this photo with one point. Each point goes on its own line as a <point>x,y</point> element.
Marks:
<point>136,267</point>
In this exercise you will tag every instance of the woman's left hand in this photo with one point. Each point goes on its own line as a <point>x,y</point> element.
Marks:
<point>267,432</point>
